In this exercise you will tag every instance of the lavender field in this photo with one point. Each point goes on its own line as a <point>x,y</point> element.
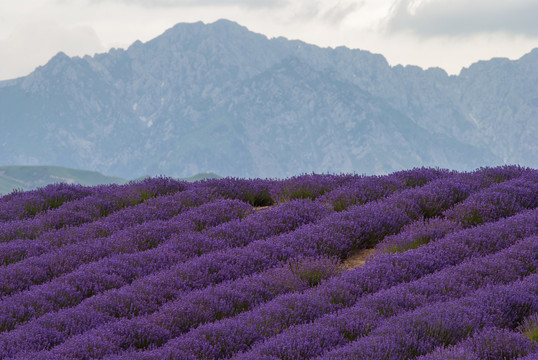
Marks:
<point>270,269</point>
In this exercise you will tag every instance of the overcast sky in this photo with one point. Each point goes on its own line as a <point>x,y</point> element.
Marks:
<point>446,33</point>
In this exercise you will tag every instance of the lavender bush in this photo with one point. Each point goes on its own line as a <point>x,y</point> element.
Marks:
<point>488,344</point>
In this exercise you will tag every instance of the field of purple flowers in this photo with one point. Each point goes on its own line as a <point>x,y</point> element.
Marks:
<point>259,269</point>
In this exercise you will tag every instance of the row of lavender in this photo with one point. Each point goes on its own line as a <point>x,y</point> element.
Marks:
<point>43,254</point>
<point>139,327</point>
<point>249,330</point>
<point>68,290</point>
<point>76,206</point>
<point>55,201</point>
<point>227,331</point>
<point>21,307</point>
<point>256,268</point>
<point>224,338</point>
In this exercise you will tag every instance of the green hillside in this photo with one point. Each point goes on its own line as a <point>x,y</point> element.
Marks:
<point>202,176</point>
<point>32,177</point>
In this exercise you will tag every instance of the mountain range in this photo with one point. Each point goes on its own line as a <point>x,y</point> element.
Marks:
<point>220,98</point>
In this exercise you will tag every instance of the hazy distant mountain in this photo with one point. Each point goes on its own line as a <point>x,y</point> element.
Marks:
<point>219,98</point>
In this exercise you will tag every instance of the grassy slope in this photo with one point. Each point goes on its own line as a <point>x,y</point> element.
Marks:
<point>7,185</point>
<point>202,176</point>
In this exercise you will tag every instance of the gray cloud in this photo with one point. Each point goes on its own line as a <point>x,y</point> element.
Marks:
<point>302,9</point>
<point>198,3</point>
<point>327,11</point>
<point>464,17</point>
<point>340,11</point>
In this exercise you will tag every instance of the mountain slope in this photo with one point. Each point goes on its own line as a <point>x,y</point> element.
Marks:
<point>219,98</point>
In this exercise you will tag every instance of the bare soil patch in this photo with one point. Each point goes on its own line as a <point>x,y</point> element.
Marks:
<point>358,259</point>
<point>259,208</point>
